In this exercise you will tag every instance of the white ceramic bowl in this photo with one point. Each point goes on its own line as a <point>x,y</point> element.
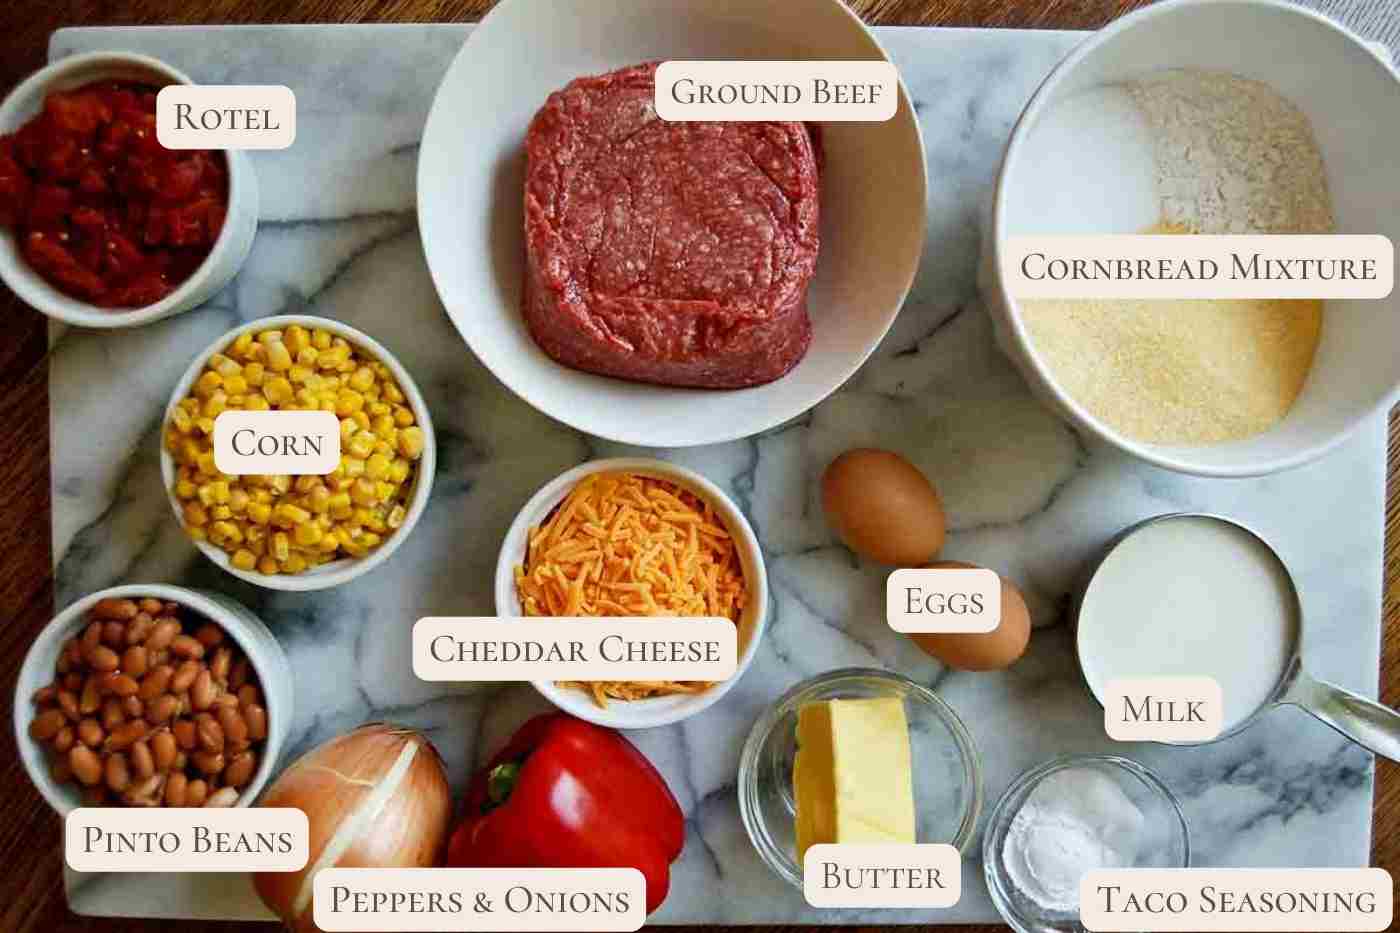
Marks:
<point>470,183</point>
<point>252,635</point>
<point>1350,94</point>
<point>337,571</point>
<point>222,263</point>
<point>652,711</point>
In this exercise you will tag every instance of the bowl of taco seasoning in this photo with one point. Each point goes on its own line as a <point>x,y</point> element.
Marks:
<point>629,537</point>
<point>101,225</point>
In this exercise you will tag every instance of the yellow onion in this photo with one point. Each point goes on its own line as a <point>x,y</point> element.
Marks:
<point>376,797</point>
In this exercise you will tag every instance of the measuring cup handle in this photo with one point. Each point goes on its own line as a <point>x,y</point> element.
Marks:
<point>1364,721</point>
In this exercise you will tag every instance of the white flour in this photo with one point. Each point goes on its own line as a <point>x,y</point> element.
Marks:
<point>1074,821</point>
<point>1232,155</point>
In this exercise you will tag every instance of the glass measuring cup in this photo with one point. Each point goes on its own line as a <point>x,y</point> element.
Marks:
<point>1364,721</point>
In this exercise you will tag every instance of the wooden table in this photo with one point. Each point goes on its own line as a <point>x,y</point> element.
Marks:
<point>31,891</point>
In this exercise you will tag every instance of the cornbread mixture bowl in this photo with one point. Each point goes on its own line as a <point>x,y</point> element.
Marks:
<point>308,534</point>
<point>650,710</point>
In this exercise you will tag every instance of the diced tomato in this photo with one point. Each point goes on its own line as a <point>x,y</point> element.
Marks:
<point>49,206</point>
<point>57,264</point>
<point>102,210</point>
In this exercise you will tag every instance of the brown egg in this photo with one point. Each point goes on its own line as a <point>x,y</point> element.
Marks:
<point>983,651</point>
<point>883,507</point>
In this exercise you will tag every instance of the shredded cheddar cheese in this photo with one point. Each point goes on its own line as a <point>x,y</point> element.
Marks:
<point>623,544</point>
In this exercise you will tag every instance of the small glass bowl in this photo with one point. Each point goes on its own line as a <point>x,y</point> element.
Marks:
<point>946,767</point>
<point>1166,842</point>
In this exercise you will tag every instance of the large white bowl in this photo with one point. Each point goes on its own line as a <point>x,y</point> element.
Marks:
<point>224,260</point>
<point>471,173</point>
<point>247,630</point>
<point>652,711</point>
<point>346,569</point>
<point>1350,94</point>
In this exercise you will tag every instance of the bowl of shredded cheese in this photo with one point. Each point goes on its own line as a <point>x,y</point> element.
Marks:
<point>634,537</point>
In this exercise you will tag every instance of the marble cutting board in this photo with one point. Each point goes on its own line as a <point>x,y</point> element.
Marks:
<point>1026,494</point>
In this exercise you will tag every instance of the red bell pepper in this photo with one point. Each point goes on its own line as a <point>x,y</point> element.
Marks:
<point>565,793</point>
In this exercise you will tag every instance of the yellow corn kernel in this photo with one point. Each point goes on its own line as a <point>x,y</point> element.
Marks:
<point>204,426</point>
<point>236,384</point>
<point>279,483</point>
<point>376,409</point>
<point>368,540</point>
<point>348,401</point>
<point>257,403</point>
<point>339,506</point>
<point>223,365</point>
<point>287,515</point>
<point>244,559</point>
<point>266,564</point>
<point>184,489</point>
<point>277,390</point>
<point>399,470</point>
<point>196,533</point>
<point>385,490</point>
<point>221,513</point>
<point>242,342</point>
<point>306,482</point>
<point>361,379</point>
<point>307,534</point>
<point>361,444</point>
<point>205,462</point>
<point>296,338</point>
<point>270,336</point>
<point>329,542</point>
<point>384,448</point>
<point>253,373</point>
<point>279,358</point>
<point>255,534</point>
<point>225,531</point>
<point>195,514</point>
<point>333,358</point>
<point>348,427</point>
<point>238,500</point>
<point>319,499</point>
<point>362,419</point>
<point>403,417</point>
<point>351,467</point>
<point>180,417</point>
<point>306,356</point>
<point>363,492</point>
<point>281,547</point>
<point>321,338</point>
<point>396,516</point>
<point>411,442</point>
<point>207,383</point>
<point>215,404</point>
<point>259,512</point>
<point>392,392</point>
<point>377,467</point>
<point>257,353</point>
<point>299,374</point>
<point>294,563</point>
<point>188,452</point>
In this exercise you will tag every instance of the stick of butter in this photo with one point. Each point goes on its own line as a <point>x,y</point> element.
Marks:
<point>852,775</point>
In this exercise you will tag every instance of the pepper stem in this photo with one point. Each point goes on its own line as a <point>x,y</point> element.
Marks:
<point>500,782</point>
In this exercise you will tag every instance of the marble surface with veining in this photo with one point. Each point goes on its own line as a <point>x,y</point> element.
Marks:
<point>1026,495</point>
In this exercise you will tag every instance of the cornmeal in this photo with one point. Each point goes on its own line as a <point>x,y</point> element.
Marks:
<point>1169,371</point>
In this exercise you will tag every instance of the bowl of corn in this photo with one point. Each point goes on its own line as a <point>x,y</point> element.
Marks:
<point>303,532</point>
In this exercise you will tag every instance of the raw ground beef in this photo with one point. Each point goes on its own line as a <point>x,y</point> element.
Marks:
<point>672,253</point>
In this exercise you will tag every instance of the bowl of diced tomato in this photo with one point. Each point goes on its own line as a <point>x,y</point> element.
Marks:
<point>101,225</point>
